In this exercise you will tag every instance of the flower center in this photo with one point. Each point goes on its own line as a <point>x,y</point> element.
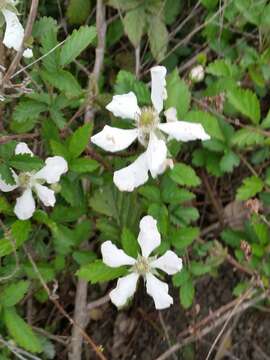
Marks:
<point>148,119</point>
<point>142,265</point>
<point>24,180</point>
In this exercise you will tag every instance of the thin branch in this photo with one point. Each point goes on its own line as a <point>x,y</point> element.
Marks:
<point>80,308</point>
<point>53,299</point>
<point>6,138</point>
<point>99,302</point>
<point>215,322</point>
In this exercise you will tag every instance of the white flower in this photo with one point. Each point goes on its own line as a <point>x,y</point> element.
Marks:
<point>148,130</point>
<point>197,73</point>
<point>14,33</point>
<point>145,266</point>
<point>33,181</point>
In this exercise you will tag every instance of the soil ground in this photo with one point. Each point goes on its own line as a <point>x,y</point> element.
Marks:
<point>142,333</point>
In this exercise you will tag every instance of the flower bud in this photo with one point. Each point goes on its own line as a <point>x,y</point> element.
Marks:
<point>197,74</point>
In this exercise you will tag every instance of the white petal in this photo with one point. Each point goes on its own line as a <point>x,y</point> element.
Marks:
<point>132,176</point>
<point>169,262</point>
<point>7,187</point>
<point>158,87</point>
<point>159,292</point>
<point>14,33</point>
<point>52,171</point>
<point>171,114</point>
<point>149,237</point>
<point>25,205</point>
<point>184,131</point>
<point>28,53</point>
<point>113,139</point>
<point>45,194</point>
<point>156,154</point>
<point>22,148</point>
<point>125,289</point>
<point>124,106</point>
<point>114,257</point>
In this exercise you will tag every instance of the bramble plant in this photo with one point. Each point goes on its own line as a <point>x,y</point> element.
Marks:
<point>134,144</point>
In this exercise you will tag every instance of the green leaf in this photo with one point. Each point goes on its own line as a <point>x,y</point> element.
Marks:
<point>63,81</point>
<point>158,37</point>
<point>185,215</point>
<point>78,11</point>
<point>129,243</point>
<point>160,213</point>
<point>262,232</point>
<point>126,82</point>
<point>210,4</point>
<point>172,194</point>
<point>182,238</point>
<point>45,31</point>
<point>79,140</point>
<point>124,4</point>
<point>7,150</point>
<point>83,165</point>
<point>208,121</point>
<point>199,268</point>
<point>150,192</point>
<point>247,137</point>
<point>28,109</point>
<point>229,161</point>
<point>222,67</point>
<point>26,115</point>
<point>178,94</point>
<point>20,331</point>
<point>181,278</point>
<point>6,174</point>
<point>5,207</point>
<point>14,293</point>
<point>171,10</point>
<point>183,174</point>
<point>20,231</point>
<point>84,257</point>
<point>76,43</point>
<point>26,162</point>
<point>187,292</point>
<point>250,187</point>
<point>98,272</point>
<point>246,102</point>
<point>134,25</point>
<point>58,148</point>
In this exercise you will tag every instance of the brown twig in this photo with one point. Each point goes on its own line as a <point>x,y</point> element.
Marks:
<point>216,322</point>
<point>99,302</point>
<point>6,138</point>
<point>213,198</point>
<point>27,34</point>
<point>81,289</point>
<point>54,300</point>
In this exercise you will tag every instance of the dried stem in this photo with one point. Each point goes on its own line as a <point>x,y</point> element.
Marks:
<point>215,320</point>
<point>54,300</point>
<point>80,309</point>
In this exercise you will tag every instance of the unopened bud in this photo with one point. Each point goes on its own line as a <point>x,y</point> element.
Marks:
<point>197,74</point>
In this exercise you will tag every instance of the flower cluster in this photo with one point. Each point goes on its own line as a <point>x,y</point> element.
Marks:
<point>148,130</point>
<point>153,135</point>
<point>33,181</point>
<point>14,33</point>
<point>145,266</point>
